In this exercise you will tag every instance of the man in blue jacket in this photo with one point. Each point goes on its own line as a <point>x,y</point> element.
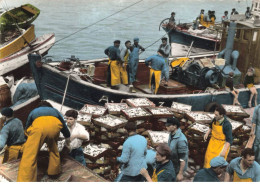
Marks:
<point>157,69</point>
<point>179,146</point>
<point>133,155</point>
<point>44,124</point>
<point>12,135</point>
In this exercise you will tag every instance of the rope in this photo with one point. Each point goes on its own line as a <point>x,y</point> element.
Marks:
<point>98,21</point>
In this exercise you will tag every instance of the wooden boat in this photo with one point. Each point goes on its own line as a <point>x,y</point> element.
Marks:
<point>20,17</point>
<point>205,38</point>
<point>17,61</point>
<point>9,47</point>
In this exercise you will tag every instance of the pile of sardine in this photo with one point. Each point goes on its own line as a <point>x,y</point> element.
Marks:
<point>140,102</point>
<point>233,108</point>
<point>95,110</point>
<point>180,106</point>
<point>211,115</point>
<point>110,120</point>
<point>199,127</point>
<point>60,144</point>
<point>235,124</point>
<point>246,128</point>
<point>159,136</point>
<point>199,116</point>
<point>136,112</point>
<point>3,179</point>
<point>84,117</point>
<point>94,150</point>
<point>160,111</point>
<point>116,107</point>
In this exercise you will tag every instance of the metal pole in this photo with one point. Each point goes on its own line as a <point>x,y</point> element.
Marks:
<point>188,54</point>
<point>65,92</point>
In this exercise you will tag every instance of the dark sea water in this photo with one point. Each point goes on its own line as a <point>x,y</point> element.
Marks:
<point>64,17</point>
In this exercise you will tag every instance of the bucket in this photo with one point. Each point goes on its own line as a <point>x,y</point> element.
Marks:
<point>5,96</point>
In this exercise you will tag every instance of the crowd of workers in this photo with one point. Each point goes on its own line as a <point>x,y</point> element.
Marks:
<point>123,64</point>
<point>166,163</point>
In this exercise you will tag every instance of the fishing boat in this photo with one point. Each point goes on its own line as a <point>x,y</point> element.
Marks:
<point>16,63</point>
<point>16,41</point>
<point>207,39</point>
<point>20,17</point>
<point>190,85</point>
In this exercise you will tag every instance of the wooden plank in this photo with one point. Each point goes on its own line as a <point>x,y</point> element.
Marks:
<point>29,9</point>
<point>14,16</point>
<point>250,142</point>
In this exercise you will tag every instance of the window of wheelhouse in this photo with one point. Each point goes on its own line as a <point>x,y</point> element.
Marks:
<point>256,7</point>
<point>238,32</point>
<point>247,34</point>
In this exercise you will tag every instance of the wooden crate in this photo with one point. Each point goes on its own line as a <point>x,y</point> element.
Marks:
<point>236,125</point>
<point>198,116</point>
<point>158,137</point>
<point>94,152</point>
<point>136,113</point>
<point>180,107</point>
<point>235,110</point>
<point>160,112</point>
<point>198,128</point>
<point>94,110</point>
<point>139,102</point>
<point>115,108</point>
<point>110,122</point>
<point>84,119</point>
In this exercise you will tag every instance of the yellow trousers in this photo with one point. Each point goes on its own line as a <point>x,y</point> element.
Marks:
<point>157,79</point>
<point>43,129</point>
<point>12,153</point>
<point>118,73</point>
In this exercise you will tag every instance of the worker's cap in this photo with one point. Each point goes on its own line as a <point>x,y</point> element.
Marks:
<point>172,121</point>
<point>226,12</point>
<point>233,9</point>
<point>248,7</point>
<point>163,149</point>
<point>72,113</point>
<point>202,10</point>
<point>173,13</point>
<point>136,39</point>
<point>218,162</point>
<point>117,41</point>
<point>7,111</point>
<point>164,38</point>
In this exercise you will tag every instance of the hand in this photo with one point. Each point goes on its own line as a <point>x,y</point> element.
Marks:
<point>144,172</point>
<point>206,137</point>
<point>179,177</point>
<point>222,154</point>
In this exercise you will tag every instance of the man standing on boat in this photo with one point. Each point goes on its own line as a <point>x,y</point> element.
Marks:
<point>114,65</point>
<point>255,131</point>
<point>234,12</point>
<point>221,138</point>
<point>157,69</point>
<point>133,62</point>
<point>179,146</point>
<point>166,49</point>
<point>12,135</point>
<point>248,13</point>
<point>124,55</point>
<point>44,124</point>
<point>224,18</point>
<point>133,155</point>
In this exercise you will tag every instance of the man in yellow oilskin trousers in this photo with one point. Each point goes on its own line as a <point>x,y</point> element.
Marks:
<point>44,124</point>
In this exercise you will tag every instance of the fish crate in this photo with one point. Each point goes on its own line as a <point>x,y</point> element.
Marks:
<point>180,107</point>
<point>236,125</point>
<point>198,116</point>
<point>246,129</point>
<point>136,113</point>
<point>94,152</point>
<point>60,145</point>
<point>84,119</point>
<point>139,102</point>
<point>94,110</point>
<point>158,137</point>
<point>198,128</point>
<point>110,122</point>
<point>235,110</point>
<point>160,112</point>
<point>115,108</point>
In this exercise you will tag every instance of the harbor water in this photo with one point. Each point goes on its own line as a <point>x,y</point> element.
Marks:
<point>64,17</point>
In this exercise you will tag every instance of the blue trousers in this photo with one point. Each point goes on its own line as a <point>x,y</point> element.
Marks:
<point>78,155</point>
<point>133,65</point>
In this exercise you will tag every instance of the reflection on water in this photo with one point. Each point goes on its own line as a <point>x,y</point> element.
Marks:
<point>64,17</point>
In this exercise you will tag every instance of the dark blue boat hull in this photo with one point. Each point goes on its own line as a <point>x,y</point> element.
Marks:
<point>51,84</point>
